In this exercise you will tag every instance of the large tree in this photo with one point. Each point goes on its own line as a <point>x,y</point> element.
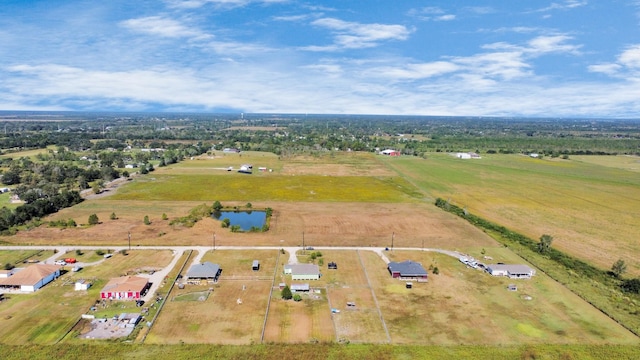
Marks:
<point>286,293</point>
<point>619,267</point>
<point>545,243</point>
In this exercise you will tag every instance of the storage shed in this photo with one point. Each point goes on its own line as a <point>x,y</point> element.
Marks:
<point>255,266</point>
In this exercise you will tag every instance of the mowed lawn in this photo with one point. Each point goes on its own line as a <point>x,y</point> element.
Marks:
<point>45,317</point>
<point>462,305</point>
<point>589,209</point>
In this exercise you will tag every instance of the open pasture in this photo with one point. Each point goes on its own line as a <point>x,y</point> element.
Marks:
<point>465,305</point>
<point>224,186</point>
<point>588,208</point>
<point>329,224</point>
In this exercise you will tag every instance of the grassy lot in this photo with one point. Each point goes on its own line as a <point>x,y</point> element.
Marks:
<point>267,186</point>
<point>588,208</point>
<point>17,258</point>
<point>320,352</point>
<point>5,201</point>
<point>27,153</point>
<point>217,317</point>
<point>464,305</point>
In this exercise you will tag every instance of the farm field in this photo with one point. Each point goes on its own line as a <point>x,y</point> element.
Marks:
<point>588,208</point>
<point>46,316</point>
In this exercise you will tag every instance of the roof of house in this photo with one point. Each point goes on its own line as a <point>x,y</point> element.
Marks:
<point>511,269</point>
<point>304,269</point>
<point>125,283</point>
<point>204,270</point>
<point>300,287</point>
<point>30,275</point>
<point>407,268</point>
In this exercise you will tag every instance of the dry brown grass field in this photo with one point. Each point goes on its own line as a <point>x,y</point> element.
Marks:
<point>588,205</point>
<point>219,318</point>
<point>329,224</point>
<point>462,305</point>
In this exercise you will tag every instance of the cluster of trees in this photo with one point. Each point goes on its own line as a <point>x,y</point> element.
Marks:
<point>37,209</point>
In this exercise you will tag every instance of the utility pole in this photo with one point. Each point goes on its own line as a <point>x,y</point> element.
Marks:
<point>303,242</point>
<point>423,244</point>
<point>129,235</point>
<point>214,241</point>
<point>393,234</point>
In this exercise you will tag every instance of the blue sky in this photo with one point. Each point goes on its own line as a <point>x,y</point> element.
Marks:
<point>488,58</point>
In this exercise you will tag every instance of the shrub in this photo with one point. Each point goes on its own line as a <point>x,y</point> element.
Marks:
<point>113,216</point>
<point>297,297</point>
<point>146,220</point>
<point>286,293</point>
<point>93,219</point>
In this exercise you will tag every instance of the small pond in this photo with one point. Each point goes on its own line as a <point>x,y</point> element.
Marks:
<point>245,219</point>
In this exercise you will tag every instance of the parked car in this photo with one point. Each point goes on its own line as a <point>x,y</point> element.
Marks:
<point>61,262</point>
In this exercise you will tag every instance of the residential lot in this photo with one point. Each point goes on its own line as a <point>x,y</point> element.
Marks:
<point>231,311</point>
<point>458,305</point>
<point>47,315</point>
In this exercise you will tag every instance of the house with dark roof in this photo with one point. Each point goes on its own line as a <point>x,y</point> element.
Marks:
<point>31,278</point>
<point>407,270</point>
<point>206,271</point>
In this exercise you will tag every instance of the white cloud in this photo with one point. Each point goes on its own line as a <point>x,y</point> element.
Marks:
<point>194,4</point>
<point>609,69</point>
<point>430,13</point>
<point>414,71</point>
<point>351,35</point>
<point>445,18</point>
<point>165,27</point>
<point>630,57</point>
<point>627,65</point>
<point>565,5</point>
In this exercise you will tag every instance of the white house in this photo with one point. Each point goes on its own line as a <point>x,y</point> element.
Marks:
<point>31,278</point>
<point>512,271</point>
<point>302,271</point>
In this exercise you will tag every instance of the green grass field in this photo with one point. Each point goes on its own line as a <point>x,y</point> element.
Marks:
<point>263,187</point>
